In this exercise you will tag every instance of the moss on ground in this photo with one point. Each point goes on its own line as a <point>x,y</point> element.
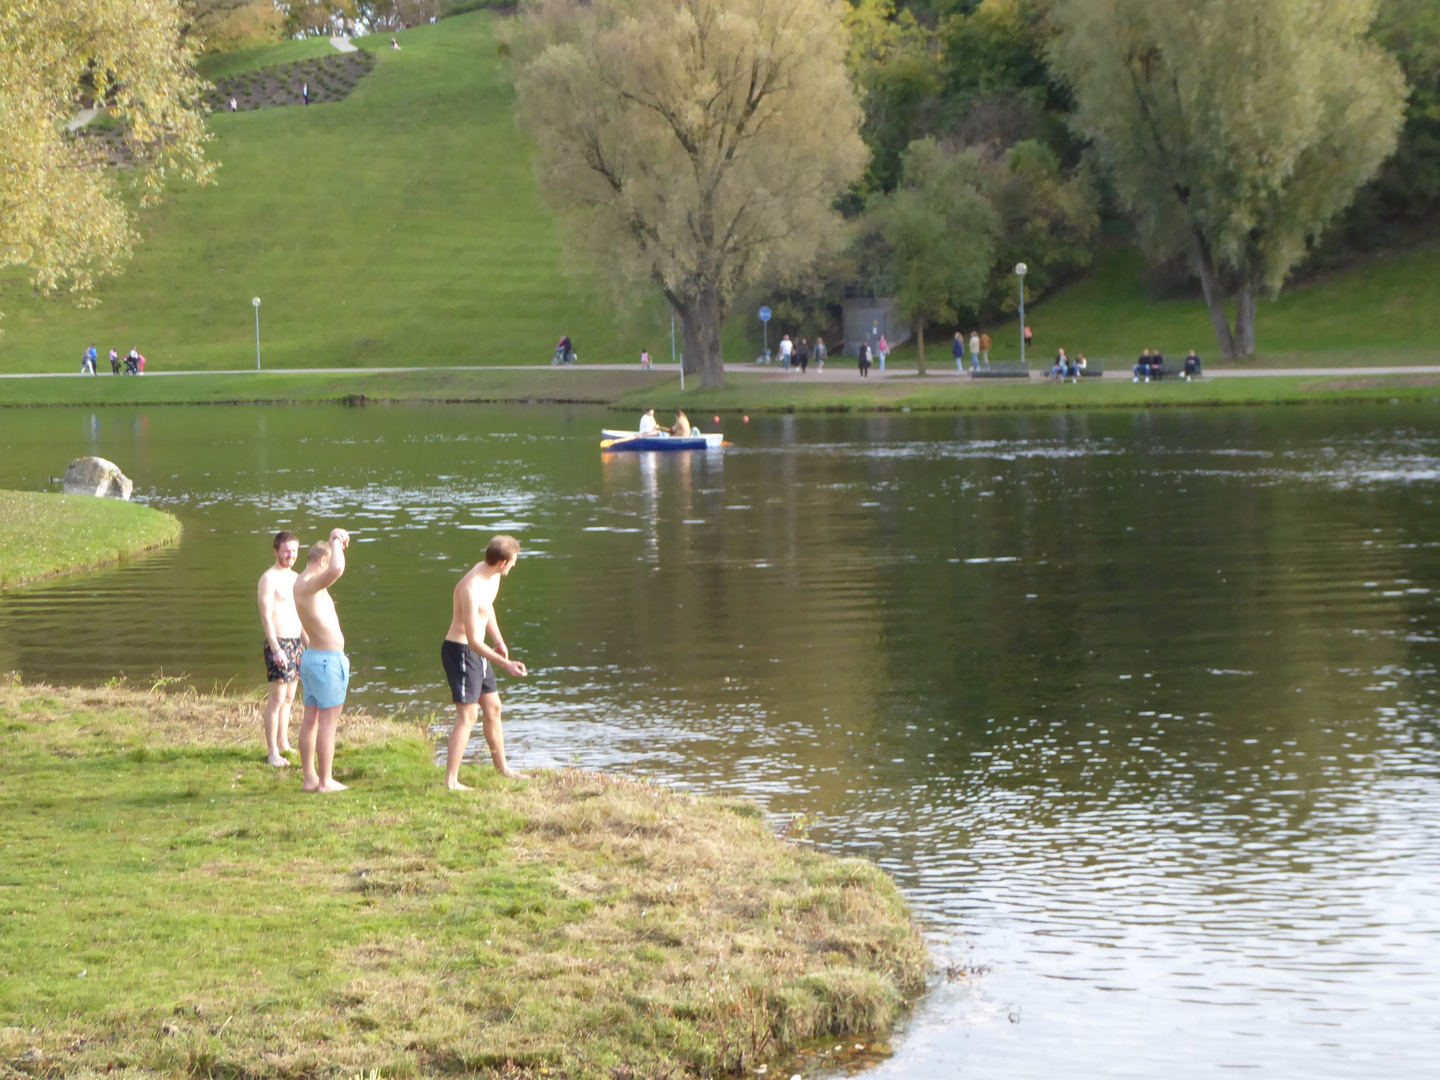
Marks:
<point>173,905</point>
<point>42,534</point>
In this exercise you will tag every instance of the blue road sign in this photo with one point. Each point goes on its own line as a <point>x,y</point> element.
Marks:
<point>764,314</point>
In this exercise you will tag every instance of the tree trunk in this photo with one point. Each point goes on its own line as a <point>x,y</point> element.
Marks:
<point>920,341</point>
<point>1214,294</point>
<point>1245,322</point>
<point>700,319</point>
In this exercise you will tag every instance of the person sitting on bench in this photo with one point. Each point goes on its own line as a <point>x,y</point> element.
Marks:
<point>1192,366</point>
<point>1141,369</point>
<point>1157,364</point>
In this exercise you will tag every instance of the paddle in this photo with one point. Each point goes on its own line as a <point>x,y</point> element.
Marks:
<point>606,444</point>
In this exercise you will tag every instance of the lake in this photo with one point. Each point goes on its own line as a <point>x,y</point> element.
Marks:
<point>1139,708</point>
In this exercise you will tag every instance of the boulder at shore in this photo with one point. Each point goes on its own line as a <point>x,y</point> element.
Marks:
<point>96,476</point>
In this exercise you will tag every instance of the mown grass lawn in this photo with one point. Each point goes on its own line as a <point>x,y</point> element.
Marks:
<point>172,905</point>
<point>44,533</point>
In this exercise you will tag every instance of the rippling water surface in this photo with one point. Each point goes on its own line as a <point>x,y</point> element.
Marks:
<point>1140,709</point>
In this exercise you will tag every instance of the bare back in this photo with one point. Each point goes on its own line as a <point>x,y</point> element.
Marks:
<point>316,609</point>
<point>473,605</point>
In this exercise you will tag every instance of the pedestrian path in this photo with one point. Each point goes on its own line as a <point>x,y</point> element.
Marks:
<point>344,44</point>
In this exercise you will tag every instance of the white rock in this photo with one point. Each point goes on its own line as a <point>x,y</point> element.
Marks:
<point>96,476</point>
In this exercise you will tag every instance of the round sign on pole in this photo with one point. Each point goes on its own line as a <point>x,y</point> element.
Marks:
<point>764,314</point>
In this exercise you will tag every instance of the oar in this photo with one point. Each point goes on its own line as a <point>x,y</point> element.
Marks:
<point>606,444</point>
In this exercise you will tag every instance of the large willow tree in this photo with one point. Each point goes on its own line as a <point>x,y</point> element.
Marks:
<point>62,215</point>
<point>1235,129</point>
<point>697,144</point>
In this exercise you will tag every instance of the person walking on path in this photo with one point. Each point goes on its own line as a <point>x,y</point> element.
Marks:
<point>985,349</point>
<point>305,92</point>
<point>88,360</point>
<point>802,355</point>
<point>114,362</point>
<point>787,349</point>
<point>1029,336</point>
<point>470,664</point>
<point>957,350</point>
<point>975,350</point>
<point>284,646</point>
<point>324,668</point>
<point>645,359</point>
<point>883,350</point>
<point>820,354</point>
<point>864,360</point>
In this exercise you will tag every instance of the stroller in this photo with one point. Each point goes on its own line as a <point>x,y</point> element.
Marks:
<point>134,363</point>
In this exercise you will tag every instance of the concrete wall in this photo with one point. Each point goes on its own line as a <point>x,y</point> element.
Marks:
<point>866,318</point>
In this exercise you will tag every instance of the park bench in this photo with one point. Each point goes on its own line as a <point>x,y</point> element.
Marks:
<point>1003,369</point>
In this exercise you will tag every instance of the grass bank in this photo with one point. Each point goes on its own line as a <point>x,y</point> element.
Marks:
<point>633,390</point>
<point>42,534</point>
<point>174,906</point>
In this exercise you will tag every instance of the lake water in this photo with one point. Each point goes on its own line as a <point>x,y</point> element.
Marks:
<point>1140,709</point>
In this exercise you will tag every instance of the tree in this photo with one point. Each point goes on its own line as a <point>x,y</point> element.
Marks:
<point>1238,128</point>
<point>699,144</point>
<point>936,232</point>
<point>221,25</point>
<point>316,18</point>
<point>61,211</point>
<point>1048,220</point>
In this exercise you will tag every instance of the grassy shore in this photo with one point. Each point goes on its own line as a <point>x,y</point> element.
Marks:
<point>174,906</point>
<point>43,534</point>
<point>629,391</point>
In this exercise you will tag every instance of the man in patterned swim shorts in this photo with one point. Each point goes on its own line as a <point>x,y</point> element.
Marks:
<point>284,642</point>
<point>325,669</point>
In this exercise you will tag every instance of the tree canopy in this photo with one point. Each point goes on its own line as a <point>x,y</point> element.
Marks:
<point>937,235</point>
<point>698,144</point>
<point>61,211</point>
<point>1236,128</point>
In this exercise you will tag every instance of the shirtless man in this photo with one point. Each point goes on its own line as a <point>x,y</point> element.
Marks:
<point>324,669</point>
<point>470,664</point>
<point>284,642</point>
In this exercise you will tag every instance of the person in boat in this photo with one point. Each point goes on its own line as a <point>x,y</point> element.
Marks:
<point>648,426</point>
<point>681,428</point>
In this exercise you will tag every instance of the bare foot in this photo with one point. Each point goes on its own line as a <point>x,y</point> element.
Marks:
<point>311,787</point>
<point>287,749</point>
<point>332,787</point>
<point>458,786</point>
<point>278,762</point>
<point>511,774</point>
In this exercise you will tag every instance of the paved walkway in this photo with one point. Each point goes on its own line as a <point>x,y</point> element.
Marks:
<point>344,44</point>
<point>833,373</point>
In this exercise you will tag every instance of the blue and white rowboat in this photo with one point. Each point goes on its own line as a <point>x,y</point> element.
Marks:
<point>633,440</point>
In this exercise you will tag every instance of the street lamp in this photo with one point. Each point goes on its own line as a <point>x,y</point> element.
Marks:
<point>256,302</point>
<point>1020,271</point>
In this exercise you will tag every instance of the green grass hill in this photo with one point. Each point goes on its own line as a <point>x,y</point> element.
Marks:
<point>401,226</point>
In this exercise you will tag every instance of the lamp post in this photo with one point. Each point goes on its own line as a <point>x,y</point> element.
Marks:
<point>256,302</point>
<point>1020,271</point>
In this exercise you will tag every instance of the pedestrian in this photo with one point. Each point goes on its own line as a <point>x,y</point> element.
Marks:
<point>787,349</point>
<point>957,349</point>
<point>819,354</point>
<point>234,105</point>
<point>305,92</point>
<point>394,44</point>
<point>975,350</point>
<point>324,667</point>
<point>470,663</point>
<point>645,359</point>
<point>114,362</point>
<point>864,360</point>
<point>87,362</point>
<point>284,645</point>
<point>985,349</point>
<point>884,351</point>
<point>1029,336</point>
<point>802,355</point>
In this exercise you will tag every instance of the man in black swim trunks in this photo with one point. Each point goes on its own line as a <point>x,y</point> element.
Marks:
<point>470,664</point>
<point>284,644</point>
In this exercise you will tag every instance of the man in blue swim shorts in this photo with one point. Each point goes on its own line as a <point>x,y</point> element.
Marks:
<point>324,668</point>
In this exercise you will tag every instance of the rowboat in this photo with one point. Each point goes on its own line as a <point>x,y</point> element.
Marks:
<point>633,440</point>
